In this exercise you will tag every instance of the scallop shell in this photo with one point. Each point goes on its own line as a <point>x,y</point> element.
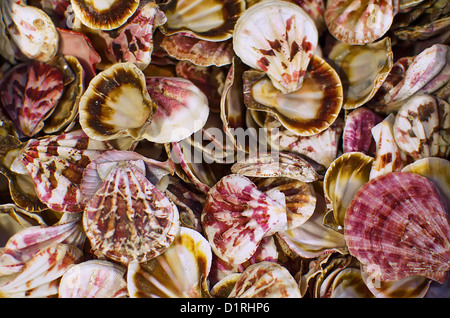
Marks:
<point>420,127</point>
<point>32,30</point>
<point>198,51</point>
<point>388,156</point>
<point>104,15</point>
<point>265,280</point>
<point>180,272</point>
<point>299,196</point>
<point>211,20</point>
<point>358,22</point>
<point>56,165</point>
<point>357,135</point>
<point>236,216</point>
<point>133,41</point>
<point>279,38</point>
<point>182,109</point>
<point>128,219</point>
<point>94,279</point>
<point>29,94</point>
<point>362,68</point>
<point>116,104</point>
<point>398,224</point>
<point>343,179</point>
<point>307,111</point>
<point>283,164</point>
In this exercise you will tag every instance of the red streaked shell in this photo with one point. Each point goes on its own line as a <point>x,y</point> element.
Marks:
<point>29,93</point>
<point>94,279</point>
<point>357,136</point>
<point>182,109</point>
<point>56,164</point>
<point>398,224</point>
<point>265,280</point>
<point>236,216</point>
<point>180,272</point>
<point>279,38</point>
<point>358,22</point>
<point>128,218</point>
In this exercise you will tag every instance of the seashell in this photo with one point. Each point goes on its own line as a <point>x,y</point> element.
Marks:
<point>180,272</point>
<point>197,51</point>
<point>307,111</point>
<point>358,22</point>
<point>133,41</point>
<point>265,280</point>
<point>29,94</point>
<point>435,169</point>
<point>312,238</point>
<point>357,135</point>
<point>31,30</point>
<point>420,126</point>
<point>66,110</point>
<point>397,223</point>
<point>116,104</point>
<point>274,164</point>
<point>321,147</point>
<point>348,283</point>
<point>56,164</point>
<point>236,216</point>
<point>278,38</point>
<point>223,287</point>
<point>267,251</point>
<point>409,287</point>
<point>104,15</point>
<point>41,272</point>
<point>128,218</point>
<point>182,109</point>
<point>94,279</point>
<point>315,9</point>
<point>209,20</point>
<point>8,48</point>
<point>362,68</point>
<point>299,196</point>
<point>389,157</point>
<point>79,46</point>
<point>343,179</point>
<point>428,71</point>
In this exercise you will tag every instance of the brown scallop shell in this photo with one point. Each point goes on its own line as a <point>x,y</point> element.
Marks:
<point>397,223</point>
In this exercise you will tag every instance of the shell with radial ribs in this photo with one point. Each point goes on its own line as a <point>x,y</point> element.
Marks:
<point>279,38</point>
<point>398,225</point>
<point>236,216</point>
<point>127,217</point>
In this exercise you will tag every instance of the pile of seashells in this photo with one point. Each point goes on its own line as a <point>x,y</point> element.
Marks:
<point>224,148</point>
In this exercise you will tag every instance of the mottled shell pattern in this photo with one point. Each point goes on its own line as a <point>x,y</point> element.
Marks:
<point>224,149</point>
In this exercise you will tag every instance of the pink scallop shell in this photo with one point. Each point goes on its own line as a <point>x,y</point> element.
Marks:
<point>398,226</point>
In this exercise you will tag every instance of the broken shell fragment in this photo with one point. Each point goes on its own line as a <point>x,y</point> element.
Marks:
<point>94,279</point>
<point>56,165</point>
<point>358,22</point>
<point>265,280</point>
<point>128,218</point>
<point>104,15</point>
<point>32,30</point>
<point>210,20</point>
<point>362,68</point>
<point>182,109</point>
<point>29,93</point>
<point>236,216</point>
<point>420,127</point>
<point>279,38</point>
<point>307,111</point>
<point>116,104</point>
<point>181,271</point>
<point>398,224</point>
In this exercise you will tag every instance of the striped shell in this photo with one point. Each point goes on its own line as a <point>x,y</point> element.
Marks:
<point>398,224</point>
